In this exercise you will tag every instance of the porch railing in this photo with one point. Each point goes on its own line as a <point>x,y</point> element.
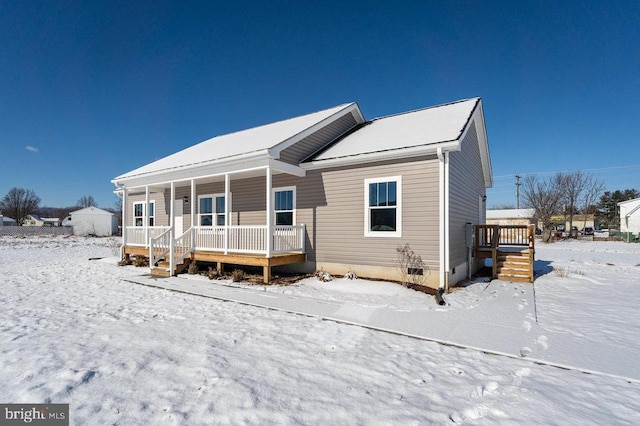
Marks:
<point>140,235</point>
<point>182,246</point>
<point>159,247</point>
<point>491,236</point>
<point>251,239</point>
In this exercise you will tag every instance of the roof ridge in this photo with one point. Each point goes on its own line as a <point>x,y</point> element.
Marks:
<point>426,108</point>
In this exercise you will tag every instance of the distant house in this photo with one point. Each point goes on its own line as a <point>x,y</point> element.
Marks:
<point>93,221</point>
<point>630,216</point>
<point>511,217</point>
<point>7,221</point>
<point>328,190</point>
<point>35,220</point>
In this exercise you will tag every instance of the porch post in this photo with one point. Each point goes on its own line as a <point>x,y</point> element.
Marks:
<point>124,216</point>
<point>193,213</point>
<point>145,214</point>
<point>227,191</point>
<point>269,185</point>
<point>172,229</point>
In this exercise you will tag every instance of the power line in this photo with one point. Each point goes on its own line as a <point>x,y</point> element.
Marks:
<point>567,171</point>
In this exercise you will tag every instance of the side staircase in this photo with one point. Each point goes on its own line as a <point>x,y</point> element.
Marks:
<point>514,266</point>
<point>511,249</point>
<point>162,269</point>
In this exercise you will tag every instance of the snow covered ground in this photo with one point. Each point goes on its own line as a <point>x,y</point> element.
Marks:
<point>76,331</point>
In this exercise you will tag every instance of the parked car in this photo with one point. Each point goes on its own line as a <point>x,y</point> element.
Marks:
<point>588,230</point>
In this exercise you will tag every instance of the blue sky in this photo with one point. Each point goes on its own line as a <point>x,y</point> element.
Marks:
<point>90,90</point>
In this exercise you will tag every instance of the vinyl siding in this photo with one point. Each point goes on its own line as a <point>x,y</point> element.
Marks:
<point>331,204</point>
<point>317,140</point>
<point>466,186</point>
<point>161,212</point>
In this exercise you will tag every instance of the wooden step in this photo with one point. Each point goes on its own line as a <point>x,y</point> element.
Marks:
<point>513,258</point>
<point>515,278</point>
<point>160,272</point>
<point>163,264</point>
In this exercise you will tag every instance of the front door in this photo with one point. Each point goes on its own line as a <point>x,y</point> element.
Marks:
<point>177,214</point>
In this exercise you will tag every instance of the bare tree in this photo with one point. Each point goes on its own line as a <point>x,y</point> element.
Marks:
<point>87,201</point>
<point>581,191</point>
<point>18,203</point>
<point>545,197</point>
<point>592,191</point>
<point>573,185</point>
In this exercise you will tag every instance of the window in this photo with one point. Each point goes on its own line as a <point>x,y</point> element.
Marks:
<point>211,210</point>
<point>138,213</point>
<point>383,207</point>
<point>284,205</point>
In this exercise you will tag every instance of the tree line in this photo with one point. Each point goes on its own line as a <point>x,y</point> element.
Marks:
<point>573,193</point>
<point>18,203</point>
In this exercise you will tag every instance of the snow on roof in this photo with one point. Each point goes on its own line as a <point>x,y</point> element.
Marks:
<point>631,201</point>
<point>91,210</point>
<point>233,144</point>
<point>511,214</point>
<point>441,123</point>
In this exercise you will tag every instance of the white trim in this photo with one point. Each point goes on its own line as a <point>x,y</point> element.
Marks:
<point>214,212</point>
<point>273,203</point>
<point>441,219</point>
<point>269,212</point>
<point>367,217</point>
<point>256,161</point>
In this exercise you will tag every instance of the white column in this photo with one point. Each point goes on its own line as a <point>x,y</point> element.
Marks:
<point>227,192</point>
<point>172,229</point>
<point>269,209</point>
<point>193,202</point>
<point>125,207</point>
<point>193,213</point>
<point>145,213</point>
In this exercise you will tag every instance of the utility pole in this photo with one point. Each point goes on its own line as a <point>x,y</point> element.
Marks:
<point>518,191</point>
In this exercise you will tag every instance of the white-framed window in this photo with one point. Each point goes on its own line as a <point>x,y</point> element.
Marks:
<point>383,207</point>
<point>211,210</point>
<point>284,205</point>
<point>138,213</point>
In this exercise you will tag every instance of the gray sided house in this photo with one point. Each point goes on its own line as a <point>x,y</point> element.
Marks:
<point>329,190</point>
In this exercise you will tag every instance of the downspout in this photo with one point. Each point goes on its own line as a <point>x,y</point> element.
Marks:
<point>443,202</point>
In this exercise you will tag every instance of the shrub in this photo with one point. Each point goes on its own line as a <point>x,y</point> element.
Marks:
<point>212,274</point>
<point>351,275</point>
<point>237,275</point>
<point>413,270</point>
<point>141,261</point>
<point>193,268</point>
<point>323,276</point>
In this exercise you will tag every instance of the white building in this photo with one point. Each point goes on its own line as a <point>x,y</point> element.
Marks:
<point>630,216</point>
<point>94,221</point>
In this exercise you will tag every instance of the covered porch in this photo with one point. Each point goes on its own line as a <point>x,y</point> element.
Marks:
<point>209,232</point>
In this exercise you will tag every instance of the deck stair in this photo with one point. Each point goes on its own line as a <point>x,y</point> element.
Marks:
<point>511,249</point>
<point>162,268</point>
<point>514,266</point>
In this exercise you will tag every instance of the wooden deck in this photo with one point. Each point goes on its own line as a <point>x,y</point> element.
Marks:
<point>161,269</point>
<point>511,249</point>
